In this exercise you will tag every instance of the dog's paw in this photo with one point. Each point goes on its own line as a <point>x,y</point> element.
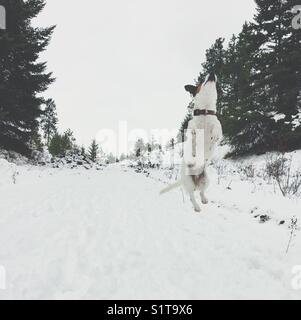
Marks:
<point>205,201</point>
<point>197,209</point>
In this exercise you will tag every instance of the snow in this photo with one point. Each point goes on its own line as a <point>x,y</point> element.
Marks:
<point>279,116</point>
<point>88,234</point>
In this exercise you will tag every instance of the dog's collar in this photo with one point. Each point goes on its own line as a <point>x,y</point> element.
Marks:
<point>204,112</point>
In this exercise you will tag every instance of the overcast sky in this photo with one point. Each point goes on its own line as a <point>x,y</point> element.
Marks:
<point>129,59</point>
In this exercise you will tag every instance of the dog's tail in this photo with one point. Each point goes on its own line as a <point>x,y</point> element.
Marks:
<point>171,187</point>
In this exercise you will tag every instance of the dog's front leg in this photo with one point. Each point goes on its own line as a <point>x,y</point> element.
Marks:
<point>197,208</point>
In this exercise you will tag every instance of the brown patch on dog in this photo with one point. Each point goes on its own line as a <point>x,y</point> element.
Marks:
<point>197,179</point>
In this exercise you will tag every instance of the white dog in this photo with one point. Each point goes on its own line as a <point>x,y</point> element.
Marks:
<point>194,176</point>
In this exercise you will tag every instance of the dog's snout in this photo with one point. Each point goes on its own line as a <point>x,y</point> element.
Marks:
<point>212,77</point>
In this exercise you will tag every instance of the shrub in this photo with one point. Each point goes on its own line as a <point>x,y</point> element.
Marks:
<point>279,168</point>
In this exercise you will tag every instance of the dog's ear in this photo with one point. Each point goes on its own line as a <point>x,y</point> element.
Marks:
<point>191,89</point>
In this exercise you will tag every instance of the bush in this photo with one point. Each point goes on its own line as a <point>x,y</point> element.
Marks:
<point>248,171</point>
<point>279,168</point>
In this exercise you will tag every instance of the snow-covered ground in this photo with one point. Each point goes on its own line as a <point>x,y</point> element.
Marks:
<point>79,234</point>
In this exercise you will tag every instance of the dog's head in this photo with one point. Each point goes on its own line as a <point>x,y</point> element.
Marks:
<point>206,95</point>
<point>194,90</point>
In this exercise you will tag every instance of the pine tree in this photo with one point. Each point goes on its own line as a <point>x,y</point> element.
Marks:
<point>122,157</point>
<point>278,82</point>
<point>83,151</point>
<point>36,143</point>
<point>69,140</point>
<point>240,117</point>
<point>93,151</point>
<point>60,145</point>
<point>110,158</point>
<point>138,153</point>
<point>55,145</point>
<point>49,120</point>
<point>149,148</point>
<point>139,147</point>
<point>23,77</point>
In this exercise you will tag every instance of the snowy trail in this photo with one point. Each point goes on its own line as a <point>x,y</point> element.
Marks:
<point>109,235</point>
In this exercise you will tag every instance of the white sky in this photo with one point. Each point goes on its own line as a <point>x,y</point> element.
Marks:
<point>130,59</point>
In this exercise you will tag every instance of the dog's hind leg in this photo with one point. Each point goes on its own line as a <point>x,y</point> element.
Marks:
<point>203,187</point>
<point>203,197</point>
<point>190,188</point>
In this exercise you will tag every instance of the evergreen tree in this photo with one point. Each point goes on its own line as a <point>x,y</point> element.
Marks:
<point>56,145</point>
<point>111,159</point>
<point>240,118</point>
<point>60,145</point>
<point>122,157</point>
<point>36,142</point>
<point>138,153</point>
<point>93,151</point>
<point>49,120</point>
<point>279,79</point>
<point>23,77</point>
<point>139,147</point>
<point>149,148</point>
<point>83,151</point>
